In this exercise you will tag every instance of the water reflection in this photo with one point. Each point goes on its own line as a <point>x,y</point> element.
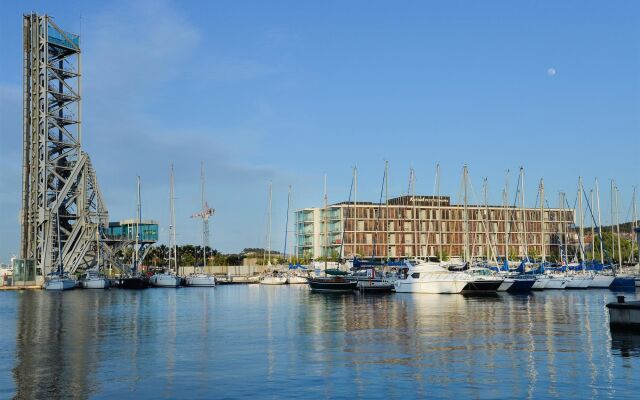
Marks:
<point>238,341</point>
<point>625,344</point>
<point>56,345</point>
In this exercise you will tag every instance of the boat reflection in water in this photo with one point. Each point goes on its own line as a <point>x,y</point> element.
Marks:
<point>625,344</point>
<point>294,343</point>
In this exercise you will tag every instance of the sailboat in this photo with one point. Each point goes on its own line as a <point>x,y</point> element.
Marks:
<point>272,277</point>
<point>333,283</point>
<point>199,279</point>
<point>295,273</point>
<point>370,277</point>
<point>134,279</point>
<point>92,278</point>
<point>59,280</point>
<point>601,280</point>
<point>168,278</point>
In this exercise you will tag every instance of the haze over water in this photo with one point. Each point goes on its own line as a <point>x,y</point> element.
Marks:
<point>286,342</point>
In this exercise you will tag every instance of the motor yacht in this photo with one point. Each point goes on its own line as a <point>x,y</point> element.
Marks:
<point>428,276</point>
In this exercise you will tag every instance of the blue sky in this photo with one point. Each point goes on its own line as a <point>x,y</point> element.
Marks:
<point>288,91</point>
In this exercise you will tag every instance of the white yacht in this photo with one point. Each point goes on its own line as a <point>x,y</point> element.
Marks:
<point>93,280</point>
<point>200,280</point>
<point>293,279</point>
<point>273,279</point>
<point>430,277</point>
<point>165,279</point>
<point>60,282</point>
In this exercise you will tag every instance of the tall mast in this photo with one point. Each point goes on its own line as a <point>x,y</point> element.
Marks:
<point>355,211</point>
<point>135,262</point>
<point>561,227</point>
<point>599,223</point>
<point>524,215</point>
<point>542,222</point>
<point>618,226</point>
<point>173,253</point>
<point>486,219</point>
<point>438,212</point>
<point>386,206</point>
<point>325,228</point>
<point>465,216</point>
<point>580,220</point>
<point>593,228</point>
<point>286,224</point>
<point>269,226</point>
<point>613,240</point>
<point>507,227</point>
<point>416,236</point>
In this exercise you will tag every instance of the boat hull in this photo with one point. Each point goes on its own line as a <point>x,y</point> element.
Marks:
<point>200,281</point>
<point>483,285</point>
<point>540,283</point>
<point>505,285</point>
<point>521,285</point>
<point>432,287</point>
<point>556,283</point>
<point>293,280</point>
<point>96,283</point>
<point>601,281</point>
<point>375,286</point>
<point>60,284</point>
<point>623,282</point>
<point>133,283</point>
<point>165,281</point>
<point>332,285</point>
<point>274,280</point>
<point>578,282</point>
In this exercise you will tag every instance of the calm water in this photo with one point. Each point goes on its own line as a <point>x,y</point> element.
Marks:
<point>285,342</point>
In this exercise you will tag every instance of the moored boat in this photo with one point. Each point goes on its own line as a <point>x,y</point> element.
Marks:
<point>601,281</point>
<point>60,282</point>
<point>273,279</point>
<point>93,280</point>
<point>580,281</point>
<point>540,283</point>
<point>200,280</point>
<point>623,282</point>
<point>293,279</point>
<point>556,282</point>
<point>165,280</point>
<point>334,284</point>
<point>430,277</point>
<point>484,280</point>
<point>133,282</point>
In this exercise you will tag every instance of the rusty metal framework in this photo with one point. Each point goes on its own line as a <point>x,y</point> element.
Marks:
<point>62,208</point>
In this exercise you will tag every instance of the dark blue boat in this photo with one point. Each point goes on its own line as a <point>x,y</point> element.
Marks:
<point>623,282</point>
<point>522,283</point>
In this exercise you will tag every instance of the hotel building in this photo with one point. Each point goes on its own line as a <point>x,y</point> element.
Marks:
<point>420,226</point>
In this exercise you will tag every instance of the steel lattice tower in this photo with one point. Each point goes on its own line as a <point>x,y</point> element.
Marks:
<point>61,203</point>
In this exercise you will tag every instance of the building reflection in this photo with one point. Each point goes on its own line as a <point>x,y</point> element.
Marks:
<point>533,342</point>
